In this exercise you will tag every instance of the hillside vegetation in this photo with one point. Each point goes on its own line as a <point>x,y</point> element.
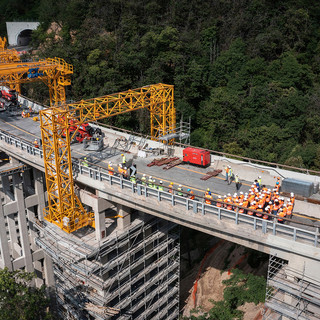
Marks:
<point>245,71</point>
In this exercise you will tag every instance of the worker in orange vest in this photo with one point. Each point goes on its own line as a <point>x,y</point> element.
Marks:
<point>289,210</point>
<point>252,207</point>
<point>219,202</point>
<point>208,198</point>
<point>170,188</point>
<point>227,169</point>
<point>190,194</point>
<point>292,198</point>
<point>281,215</point>
<point>36,144</point>
<point>259,214</point>
<point>110,169</point>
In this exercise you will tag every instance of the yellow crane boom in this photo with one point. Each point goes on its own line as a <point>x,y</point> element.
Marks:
<point>64,208</point>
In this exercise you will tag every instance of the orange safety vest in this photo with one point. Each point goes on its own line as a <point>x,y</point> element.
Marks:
<point>191,195</point>
<point>250,213</point>
<point>289,210</point>
<point>111,170</point>
<point>208,199</point>
<point>281,215</point>
<point>259,214</point>
<point>170,190</point>
<point>219,203</point>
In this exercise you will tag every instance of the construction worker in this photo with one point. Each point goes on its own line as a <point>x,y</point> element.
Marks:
<point>208,198</point>
<point>260,209</point>
<point>281,215</point>
<point>85,162</point>
<point>170,188</point>
<point>144,180</point>
<point>154,184</point>
<point>292,198</point>
<point>259,183</point>
<point>190,194</point>
<point>133,179</point>
<point>219,202</point>
<point>110,169</point>
<point>289,210</point>
<point>35,143</point>
<point>180,191</point>
<point>230,175</point>
<point>150,182</point>
<point>123,159</point>
<point>120,170</point>
<point>23,114</point>
<point>227,172</point>
<point>160,187</point>
<point>237,182</point>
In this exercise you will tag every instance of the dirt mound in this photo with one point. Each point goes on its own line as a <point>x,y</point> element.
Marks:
<point>204,280</point>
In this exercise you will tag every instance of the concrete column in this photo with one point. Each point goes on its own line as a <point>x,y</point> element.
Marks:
<point>125,219</point>
<point>22,220</point>
<point>39,189</point>
<point>98,206</point>
<point>6,188</point>
<point>13,237</point>
<point>48,271</point>
<point>4,244</point>
<point>27,185</point>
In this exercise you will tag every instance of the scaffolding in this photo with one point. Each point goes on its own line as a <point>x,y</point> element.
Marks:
<point>290,293</point>
<point>182,132</point>
<point>133,274</point>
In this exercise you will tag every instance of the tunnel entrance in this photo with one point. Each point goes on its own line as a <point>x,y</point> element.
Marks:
<point>24,37</point>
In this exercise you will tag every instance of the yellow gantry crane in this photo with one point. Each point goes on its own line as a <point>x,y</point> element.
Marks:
<point>64,208</point>
<point>55,73</point>
<point>7,55</point>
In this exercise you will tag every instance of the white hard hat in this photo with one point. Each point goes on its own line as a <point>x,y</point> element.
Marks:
<point>180,185</point>
<point>110,162</point>
<point>150,177</point>
<point>160,182</point>
<point>291,194</point>
<point>229,167</point>
<point>229,194</point>
<point>259,177</point>
<point>235,195</point>
<point>219,197</point>
<point>241,192</point>
<point>144,174</point>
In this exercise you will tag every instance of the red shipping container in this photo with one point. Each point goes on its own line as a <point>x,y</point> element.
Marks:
<point>196,156</point>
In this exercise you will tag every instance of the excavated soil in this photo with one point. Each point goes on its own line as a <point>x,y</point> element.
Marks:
<point>210,287</point>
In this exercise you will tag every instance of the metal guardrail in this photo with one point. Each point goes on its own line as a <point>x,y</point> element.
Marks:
<point>198,207</point>
<point>192,206</point>
<point>20,143</point>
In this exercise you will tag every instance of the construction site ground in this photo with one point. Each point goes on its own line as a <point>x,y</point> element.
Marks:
<point>216,268</point>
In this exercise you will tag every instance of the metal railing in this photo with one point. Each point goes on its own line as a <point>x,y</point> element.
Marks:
<point>193,207</point>
<point>196,207</point>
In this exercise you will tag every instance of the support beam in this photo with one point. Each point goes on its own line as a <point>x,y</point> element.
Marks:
<point>22,220</point>
<point>4,245</point>
<point>125,219</point>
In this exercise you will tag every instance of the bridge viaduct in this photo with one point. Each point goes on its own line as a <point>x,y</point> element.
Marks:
<point>67,262</point>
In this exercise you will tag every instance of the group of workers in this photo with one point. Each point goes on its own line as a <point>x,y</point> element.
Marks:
<point>259,201</point>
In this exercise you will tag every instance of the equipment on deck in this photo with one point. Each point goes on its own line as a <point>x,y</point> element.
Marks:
<point>196,156</point>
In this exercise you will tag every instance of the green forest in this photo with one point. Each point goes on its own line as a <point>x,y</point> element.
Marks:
<point>245,71</point>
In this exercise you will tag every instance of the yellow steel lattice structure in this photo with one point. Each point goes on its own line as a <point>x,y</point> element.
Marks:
<point>64,208</point>
<point>55,73</point>
<point>3,43</point>
<point>7,55</point>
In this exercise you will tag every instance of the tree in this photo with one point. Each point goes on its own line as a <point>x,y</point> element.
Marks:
<point>19,299</point>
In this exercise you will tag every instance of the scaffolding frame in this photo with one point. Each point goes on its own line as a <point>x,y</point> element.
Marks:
<point>142,260</point>
<point>291,293</point>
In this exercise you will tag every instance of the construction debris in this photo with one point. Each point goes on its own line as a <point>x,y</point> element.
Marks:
<point>210,174</point>
<point>101,310</point>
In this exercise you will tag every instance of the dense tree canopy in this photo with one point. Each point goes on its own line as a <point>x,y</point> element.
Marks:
<point>247,72</point>
<point>19,300</point>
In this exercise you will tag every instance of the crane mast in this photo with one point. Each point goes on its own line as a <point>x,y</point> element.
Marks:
<point>64,208</point>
